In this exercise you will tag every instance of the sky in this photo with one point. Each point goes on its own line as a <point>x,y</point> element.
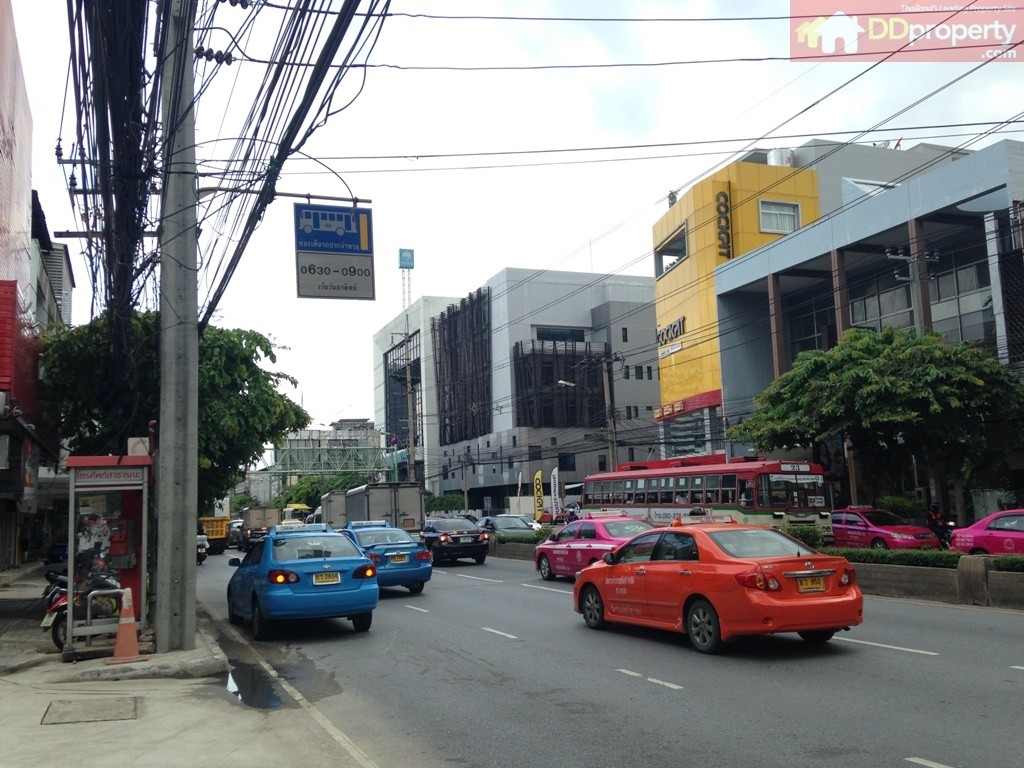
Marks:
<point>712,85</point>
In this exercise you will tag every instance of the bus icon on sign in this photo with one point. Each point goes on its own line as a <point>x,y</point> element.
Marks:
<point>339,221</point>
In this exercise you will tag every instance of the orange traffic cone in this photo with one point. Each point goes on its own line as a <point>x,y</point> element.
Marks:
<point>126,645</point>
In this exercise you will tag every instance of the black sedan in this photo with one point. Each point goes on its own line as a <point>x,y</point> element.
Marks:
<point>449,538</point>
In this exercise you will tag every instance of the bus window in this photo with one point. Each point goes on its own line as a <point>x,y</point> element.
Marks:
<point>682,495</point>
<point>665,497</point>
<point>640,497</point>
<point>588,494</point>
<point>696,490</point>
<point>628,496</point>
<point>616,492</point>
<point>728,489</point>
<point>711,494</point>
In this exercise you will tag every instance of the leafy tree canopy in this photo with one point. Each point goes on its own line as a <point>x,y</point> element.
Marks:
<point>240,409</point>
<point>893,394</point>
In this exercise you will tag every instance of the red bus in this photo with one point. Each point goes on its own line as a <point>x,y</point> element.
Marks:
<point>761,492</point>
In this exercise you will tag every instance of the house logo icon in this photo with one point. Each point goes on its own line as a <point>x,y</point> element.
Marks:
<point>823,33</point>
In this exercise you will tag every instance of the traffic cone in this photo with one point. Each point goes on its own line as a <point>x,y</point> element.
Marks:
<point>126,644</point>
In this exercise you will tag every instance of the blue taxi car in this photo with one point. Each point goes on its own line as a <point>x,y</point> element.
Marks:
<point>300,571</point>
<point>401,560</point>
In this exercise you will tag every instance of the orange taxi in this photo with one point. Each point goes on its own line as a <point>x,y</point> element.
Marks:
<point>716,582</point>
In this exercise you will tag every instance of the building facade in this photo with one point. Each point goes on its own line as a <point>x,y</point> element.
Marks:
<point>751,205</point>
<point>534,370</point>
<point>35,289</point>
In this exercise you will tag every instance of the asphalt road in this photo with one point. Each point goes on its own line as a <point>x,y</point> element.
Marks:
<point>490,666</point>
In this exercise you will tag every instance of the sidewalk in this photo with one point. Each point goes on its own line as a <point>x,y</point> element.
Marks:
<point>172,709</point>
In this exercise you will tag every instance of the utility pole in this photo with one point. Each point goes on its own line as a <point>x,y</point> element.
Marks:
<point>410,405</point>
<point>609,413</point>
<point>178,443</point>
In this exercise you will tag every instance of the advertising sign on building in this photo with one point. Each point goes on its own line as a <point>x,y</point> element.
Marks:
<point>334,252</point>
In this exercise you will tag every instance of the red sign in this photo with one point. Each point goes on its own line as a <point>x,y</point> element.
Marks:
<point>898,30</point>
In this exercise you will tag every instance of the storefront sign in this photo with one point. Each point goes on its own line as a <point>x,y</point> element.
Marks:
<point>671,331</point>
<point>724,209</point>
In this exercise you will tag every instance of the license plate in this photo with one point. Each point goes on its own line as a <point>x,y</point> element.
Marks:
<point>48,620</point>
<point>465,539</point>
<point>399,558</point>
<point>327,578</point>
<point>810,584</point>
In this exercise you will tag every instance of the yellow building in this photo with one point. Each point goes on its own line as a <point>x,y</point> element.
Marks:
<point>734,211</point>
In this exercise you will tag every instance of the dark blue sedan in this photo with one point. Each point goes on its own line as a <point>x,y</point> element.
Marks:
<point>300,571</point>
<point>401,560</point>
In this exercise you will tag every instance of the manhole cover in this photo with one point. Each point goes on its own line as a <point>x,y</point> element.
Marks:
<point>91,710</point>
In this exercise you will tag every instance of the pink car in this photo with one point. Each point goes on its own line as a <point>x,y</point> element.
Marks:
<point>1001,533</point>
<point>878,529</point>
<point>584,542</point>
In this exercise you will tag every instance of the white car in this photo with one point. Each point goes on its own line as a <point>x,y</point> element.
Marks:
<point>528,520</point>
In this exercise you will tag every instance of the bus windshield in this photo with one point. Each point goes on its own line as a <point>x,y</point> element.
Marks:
<point>795,491</point>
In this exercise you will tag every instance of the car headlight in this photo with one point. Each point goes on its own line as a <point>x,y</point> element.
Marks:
<point>901,535</point>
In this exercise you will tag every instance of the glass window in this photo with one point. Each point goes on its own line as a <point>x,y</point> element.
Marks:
<point>629,494</point>
<point>617,494</point>
<point>711,491</point>
<point>639,550</point>
<point>588,531</point>
<point>779,217</point>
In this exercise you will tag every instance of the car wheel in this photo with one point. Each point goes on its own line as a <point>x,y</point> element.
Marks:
<point>878,544</point>
<point>592,607</point>
<point>260,626</point>
<point>416,587</point>
<point>702,627</point>
<point>233,618</point>
<point>480,559</point>
<point>361,622</point>
<point>978,551</point>
<point>437,555</point>
<point>544,566</point>
<point>818,637</point>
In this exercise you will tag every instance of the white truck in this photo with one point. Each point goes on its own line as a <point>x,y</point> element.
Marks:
<point>400,504</point>
<point>332,509</point>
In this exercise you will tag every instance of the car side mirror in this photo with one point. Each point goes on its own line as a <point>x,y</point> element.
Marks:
<point>553,537</point>
<point>609,557</point>
<point>235,561</point>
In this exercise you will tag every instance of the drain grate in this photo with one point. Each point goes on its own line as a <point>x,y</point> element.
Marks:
<point>91,710</point>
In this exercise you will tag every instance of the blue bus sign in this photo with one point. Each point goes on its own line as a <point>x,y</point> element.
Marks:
<point>334,252</point>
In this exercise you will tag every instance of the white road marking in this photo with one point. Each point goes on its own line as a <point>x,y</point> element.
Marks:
<point>925,763</point>
<point>481,578</point>
<point>498,632</point>
<point>343,741</point>
<point>1013,666</point>
<point>889,647</point>
<point>547,589</point>
<point>417,608</point>
<point>654,680</point>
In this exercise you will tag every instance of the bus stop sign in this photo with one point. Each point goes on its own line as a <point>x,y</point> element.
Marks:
<point>334,252</point>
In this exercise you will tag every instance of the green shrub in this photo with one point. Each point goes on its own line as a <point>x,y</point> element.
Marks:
<point>1013,563</point>
<point>932,558</point>
<point>808,534</point>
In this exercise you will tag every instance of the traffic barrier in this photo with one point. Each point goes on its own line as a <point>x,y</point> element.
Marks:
<point>126,644</point>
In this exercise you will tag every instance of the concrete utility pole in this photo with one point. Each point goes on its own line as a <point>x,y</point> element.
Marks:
<point>178,441</point>
<point>410,401</point>
<point>609,414</point>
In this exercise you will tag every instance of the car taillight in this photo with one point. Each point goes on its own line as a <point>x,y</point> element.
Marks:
<point>757,580</point>
<point>444,537</point>
<point>373,556</point>
<point>484,536</point>
<point>849,577</point>
<point>364,572</point>
<point>282,577</point>
<point>423,555</point>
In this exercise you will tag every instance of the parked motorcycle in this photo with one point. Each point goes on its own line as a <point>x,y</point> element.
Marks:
<point>202,544</point>
<point>98,596</point>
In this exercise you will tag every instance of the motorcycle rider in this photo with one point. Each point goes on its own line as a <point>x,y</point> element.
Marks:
<point>937,523</point>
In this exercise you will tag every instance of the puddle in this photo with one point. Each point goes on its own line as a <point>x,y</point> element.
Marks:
<point>250,685</point>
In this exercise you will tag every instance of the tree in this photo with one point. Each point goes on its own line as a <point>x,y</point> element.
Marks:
<point>311,488</point>
<point>894,395</point>
<point>240,409</point>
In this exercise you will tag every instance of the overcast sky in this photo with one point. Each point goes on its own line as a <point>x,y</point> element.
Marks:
<point>578,210</point>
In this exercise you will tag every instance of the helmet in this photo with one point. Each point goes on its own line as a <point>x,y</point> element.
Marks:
<point>933,507</point>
